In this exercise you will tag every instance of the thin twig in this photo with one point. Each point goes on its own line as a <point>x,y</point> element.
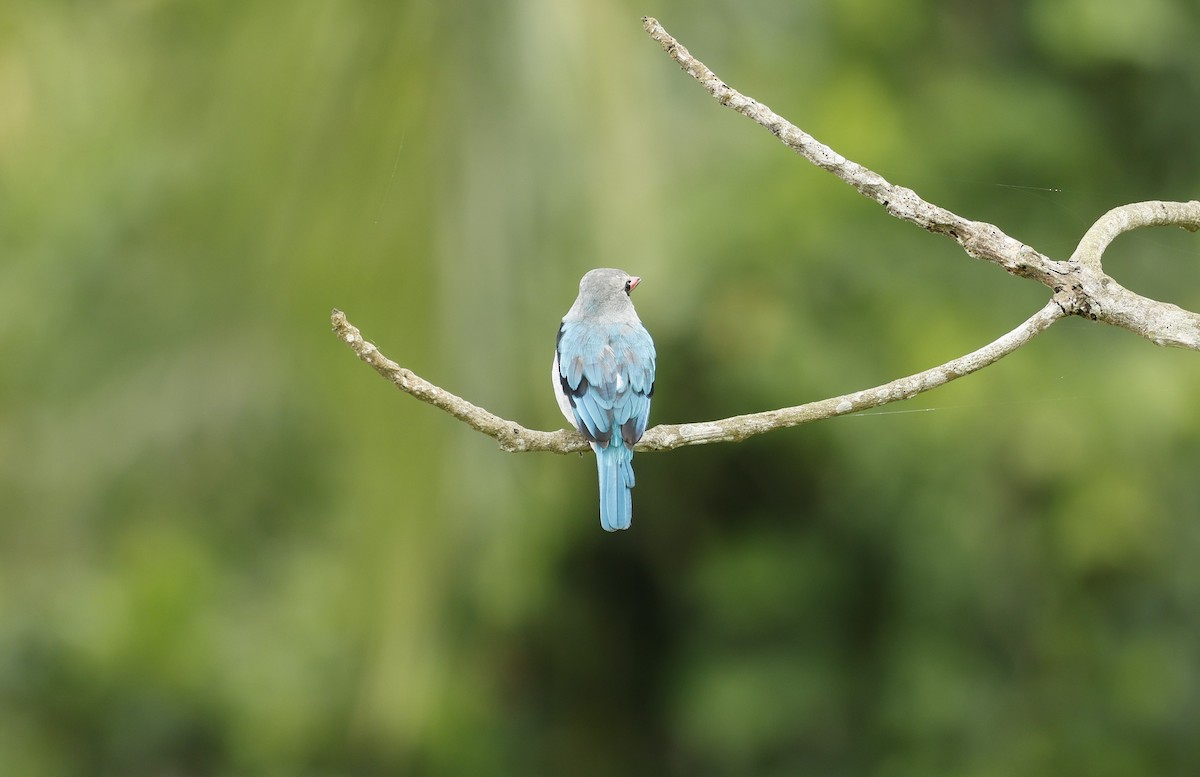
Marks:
<point>668,436</point>
<point>512,436</point>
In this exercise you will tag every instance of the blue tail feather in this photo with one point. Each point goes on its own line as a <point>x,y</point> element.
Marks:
<point>616,479</point>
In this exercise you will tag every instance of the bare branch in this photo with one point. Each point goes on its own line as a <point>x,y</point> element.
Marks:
<point>979,239</point>
<point>512,436</point>
<point>1080,288</point>
<point>666,436</point>
<point>516,438</point>
<point>1080,285</point>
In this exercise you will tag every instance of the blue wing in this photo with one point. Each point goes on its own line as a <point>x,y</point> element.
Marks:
<point>607,374</point>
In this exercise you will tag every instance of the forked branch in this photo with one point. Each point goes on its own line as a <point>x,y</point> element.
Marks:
<point>1080,284</point>
<point>1080,287</point>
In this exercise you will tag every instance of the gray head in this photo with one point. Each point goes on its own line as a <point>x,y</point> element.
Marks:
<point>604,293</point>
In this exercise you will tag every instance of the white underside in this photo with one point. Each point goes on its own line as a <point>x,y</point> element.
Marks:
<point>564,403</point>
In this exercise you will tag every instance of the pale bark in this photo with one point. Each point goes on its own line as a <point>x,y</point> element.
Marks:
<point>1080,287</point>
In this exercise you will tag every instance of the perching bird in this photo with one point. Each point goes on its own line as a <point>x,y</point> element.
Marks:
<point>604,379</point>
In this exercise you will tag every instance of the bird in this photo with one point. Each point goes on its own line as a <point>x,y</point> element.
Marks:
<point>604,380</point>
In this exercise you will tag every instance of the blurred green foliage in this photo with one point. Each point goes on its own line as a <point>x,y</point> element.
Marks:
<point>228,548</point>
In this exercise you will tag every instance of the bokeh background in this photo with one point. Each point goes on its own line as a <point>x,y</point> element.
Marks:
<point>227,547</point>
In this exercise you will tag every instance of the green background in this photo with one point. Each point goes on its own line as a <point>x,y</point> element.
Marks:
<point>227,547</point>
